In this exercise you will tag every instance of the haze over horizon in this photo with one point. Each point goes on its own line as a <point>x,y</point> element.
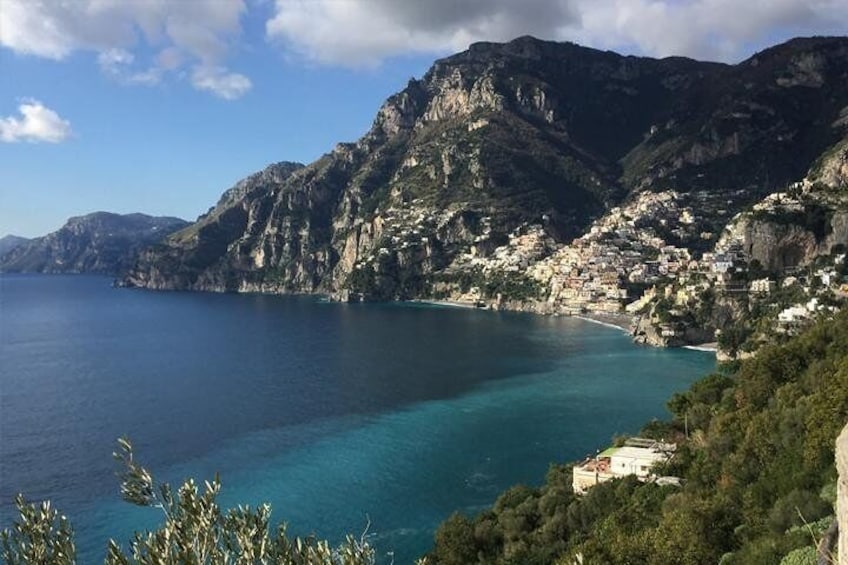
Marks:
<point>158,108</point>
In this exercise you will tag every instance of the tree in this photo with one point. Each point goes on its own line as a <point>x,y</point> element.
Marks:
<point>455,541</point>
<point>196,531</point>
<point>41,536</point>
<point>732,337</point>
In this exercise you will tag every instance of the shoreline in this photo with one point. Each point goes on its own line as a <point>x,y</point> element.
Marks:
<point>708,347</point>
<point>613,321</point>
<point>621,322</point>
<point>446,303</point>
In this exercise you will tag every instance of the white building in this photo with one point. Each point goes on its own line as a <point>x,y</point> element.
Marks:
<point>635,460</point>
<point>762,286</point>
<point>793,314</point>
<point>637,457</point>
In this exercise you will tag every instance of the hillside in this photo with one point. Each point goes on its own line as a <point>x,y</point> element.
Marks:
<point>500,156</point>
<point>777,265</point>
<point>758,467</point>
<point>9,242</point>
<point>101,242</point>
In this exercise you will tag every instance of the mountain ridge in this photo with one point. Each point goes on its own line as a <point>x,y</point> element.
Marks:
<point>503,139</point>
<point>10,241</point>
<point>99,242</point>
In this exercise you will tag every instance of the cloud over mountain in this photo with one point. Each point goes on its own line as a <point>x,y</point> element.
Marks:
<point>144,42</point>
<point>357,32</point>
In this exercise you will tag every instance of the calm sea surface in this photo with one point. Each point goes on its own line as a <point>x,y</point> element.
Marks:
<point>333,413</point>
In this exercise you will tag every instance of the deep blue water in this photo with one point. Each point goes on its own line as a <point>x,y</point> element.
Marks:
<point>333,413</point>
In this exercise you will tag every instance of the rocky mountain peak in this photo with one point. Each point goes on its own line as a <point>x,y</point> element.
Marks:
<point>273,174</point>
<point>505,138</point>
<point>401,111</point>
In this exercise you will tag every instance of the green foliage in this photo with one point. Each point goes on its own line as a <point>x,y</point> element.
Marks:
<point>40,535</point>
<point>510,286</point>
<point>758,474</point>
<point>796,508</point>
<point>802,556</point>
<point>362,278</point>
<point>733,337</point>
<point>662,310</point>
<point>525,525</point>
<point>196,530</point>
<point>455,541</point>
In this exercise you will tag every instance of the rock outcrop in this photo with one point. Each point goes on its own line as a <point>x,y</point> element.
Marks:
<point>792,229</point>
<point>778,243</point>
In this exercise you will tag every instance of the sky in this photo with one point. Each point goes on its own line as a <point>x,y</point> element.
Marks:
<point>158,106</point>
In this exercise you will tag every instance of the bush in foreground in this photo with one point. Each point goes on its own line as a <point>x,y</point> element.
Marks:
<point>196,530</point>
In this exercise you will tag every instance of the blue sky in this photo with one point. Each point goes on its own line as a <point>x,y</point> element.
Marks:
<point>158,107</point>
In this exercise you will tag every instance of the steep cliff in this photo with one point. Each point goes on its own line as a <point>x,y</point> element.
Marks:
<point>101,242</point>
<point>778,242</point>
<point>502,137</point>
<point>791,229</point>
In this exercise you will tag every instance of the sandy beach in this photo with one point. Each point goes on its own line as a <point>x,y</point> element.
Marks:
<point>711,347</point>
<point>447,303</point>
<point>621,322</point>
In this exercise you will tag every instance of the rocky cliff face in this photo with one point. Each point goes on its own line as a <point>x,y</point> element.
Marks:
<point>832,168</point>
<point>501,137</point>
<point>778,244</point>
<point>96,243</point>
<point>793,228</point>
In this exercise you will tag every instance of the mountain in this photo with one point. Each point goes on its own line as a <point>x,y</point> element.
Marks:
<point>101,242</point>
<point>503,155</point>
<point>9,242</point>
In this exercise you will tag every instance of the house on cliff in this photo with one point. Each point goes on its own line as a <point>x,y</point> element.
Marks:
<point>636,457</point>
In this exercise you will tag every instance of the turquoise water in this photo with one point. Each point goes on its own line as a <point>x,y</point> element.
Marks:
<point>335,414</point>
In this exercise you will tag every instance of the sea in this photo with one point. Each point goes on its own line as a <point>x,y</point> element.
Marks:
<point>344,417</point>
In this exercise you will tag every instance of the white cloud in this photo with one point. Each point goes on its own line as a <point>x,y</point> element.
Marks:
<point>36,123</point>
<point>725,30</point>
<point>117,63</point>
<point>148,41</point>
<point>220,82</point>
<point>182,32</point>
<point>114,58</point>
<point>355,32</point>
<point>363,32</point>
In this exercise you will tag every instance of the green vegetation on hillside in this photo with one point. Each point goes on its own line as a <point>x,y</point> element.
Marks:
<point>758,467</point>
<point>508,285</point>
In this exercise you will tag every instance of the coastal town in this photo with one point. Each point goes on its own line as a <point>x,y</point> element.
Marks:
<point>654,259</point>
